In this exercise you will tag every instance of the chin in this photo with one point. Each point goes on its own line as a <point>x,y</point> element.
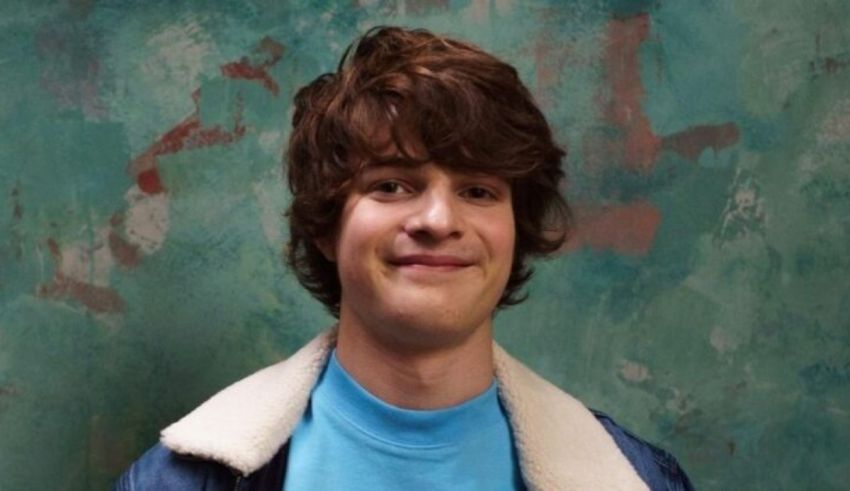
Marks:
<point>433,321</point>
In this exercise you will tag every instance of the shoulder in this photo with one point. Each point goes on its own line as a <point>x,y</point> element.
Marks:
<point>162,469</point>
<point>656,467</point>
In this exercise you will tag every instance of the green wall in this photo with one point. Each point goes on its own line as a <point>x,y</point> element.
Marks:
<point>704,301</point>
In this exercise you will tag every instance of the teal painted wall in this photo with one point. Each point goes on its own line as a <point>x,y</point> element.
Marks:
<point>704,300</point>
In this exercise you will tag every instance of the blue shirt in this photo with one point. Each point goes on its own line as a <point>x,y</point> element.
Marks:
<point>351,440</point>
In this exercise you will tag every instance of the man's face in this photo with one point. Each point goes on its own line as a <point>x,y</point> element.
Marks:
<point>423,252</point>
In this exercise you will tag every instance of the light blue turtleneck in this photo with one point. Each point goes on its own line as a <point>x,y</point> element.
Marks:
<point>351,440</point>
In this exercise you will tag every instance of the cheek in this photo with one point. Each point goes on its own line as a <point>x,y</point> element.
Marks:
<point>501,233</point>
<point>361,230</point>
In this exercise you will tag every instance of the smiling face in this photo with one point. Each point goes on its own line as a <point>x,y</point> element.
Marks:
<point>423,253</point>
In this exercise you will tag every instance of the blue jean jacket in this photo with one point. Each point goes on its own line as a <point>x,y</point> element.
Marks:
<point>163,470</point>
<point>561,444</point>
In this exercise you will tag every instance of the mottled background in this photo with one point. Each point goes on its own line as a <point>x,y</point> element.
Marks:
<point>704,301</point>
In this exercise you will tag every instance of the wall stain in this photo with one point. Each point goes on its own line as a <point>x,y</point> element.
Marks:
<point>629,142</point>
<point>550,59</point>
<point>186,135</point>
<point>634,143</point>
<point>623,108</point>
<point>191,134</point>
<point>99,299</point>
<point>270,52</point>
<point>125,253</point>
<point>624,228</point>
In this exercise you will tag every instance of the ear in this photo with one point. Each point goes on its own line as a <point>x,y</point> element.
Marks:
<point>327,246</point>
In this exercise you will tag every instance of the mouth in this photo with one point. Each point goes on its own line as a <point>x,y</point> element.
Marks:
<point>431,262</point>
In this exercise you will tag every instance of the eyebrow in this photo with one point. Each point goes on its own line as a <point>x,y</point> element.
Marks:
<point>391,162</point>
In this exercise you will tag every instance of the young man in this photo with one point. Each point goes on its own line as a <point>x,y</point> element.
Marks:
<point>424,178</point>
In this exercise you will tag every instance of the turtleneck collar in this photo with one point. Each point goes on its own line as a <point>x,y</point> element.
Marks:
<point>339,391</point>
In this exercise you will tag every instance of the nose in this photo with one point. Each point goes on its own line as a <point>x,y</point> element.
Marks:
<point>436,216</point>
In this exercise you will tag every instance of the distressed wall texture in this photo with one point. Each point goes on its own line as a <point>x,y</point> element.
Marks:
<point>704,300</point>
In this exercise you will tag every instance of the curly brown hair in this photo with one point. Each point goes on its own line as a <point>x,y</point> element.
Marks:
<point>430,99</point>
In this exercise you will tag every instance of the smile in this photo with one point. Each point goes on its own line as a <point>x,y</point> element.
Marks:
<point>429,262</point>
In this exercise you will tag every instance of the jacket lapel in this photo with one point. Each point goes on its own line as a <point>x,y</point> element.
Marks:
<point>560,444</point>
<point>244,425</point>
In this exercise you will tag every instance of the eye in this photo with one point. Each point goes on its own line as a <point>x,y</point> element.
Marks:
<point>479,193</point>
<point>389,187</point>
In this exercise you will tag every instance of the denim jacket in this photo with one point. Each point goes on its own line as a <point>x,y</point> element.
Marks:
<point>237,440</point>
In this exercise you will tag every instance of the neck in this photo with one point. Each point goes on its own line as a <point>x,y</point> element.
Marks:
<point>415,377</point>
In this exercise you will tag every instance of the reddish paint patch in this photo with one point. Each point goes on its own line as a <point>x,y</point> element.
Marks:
<point>96,298</point>
<point>187,135</point>
<point>626,229</point>
<point>55,252</point>
<point>190,133</point>
<point>124,252</point>
<point>623,109</point>
<point>636,146</point>
<point>174,139</point>
<point>243,69</point>
<point>270,52</point>
<point>149,181</point>
<point>691,142</point>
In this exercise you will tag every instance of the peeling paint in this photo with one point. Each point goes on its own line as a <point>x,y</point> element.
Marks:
<point>624,106</point>
<point>82,273</point>
<point>634,372</point>
<point>247,69</point>
<point>191,134</point>
<point>98,299</point>
<point>146,221</point>
<point>744,213</point>
<point>85,261</point>
<point>626,229</point>
<point>125,253</point>
<point>178,53</point>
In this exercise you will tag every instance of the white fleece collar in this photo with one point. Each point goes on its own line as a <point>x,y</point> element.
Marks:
<point>560,443</point>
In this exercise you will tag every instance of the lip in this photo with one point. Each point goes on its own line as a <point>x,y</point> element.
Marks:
<point>432,261</point>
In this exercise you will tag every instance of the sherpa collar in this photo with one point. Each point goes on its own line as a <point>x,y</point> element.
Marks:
<point>560,444</point>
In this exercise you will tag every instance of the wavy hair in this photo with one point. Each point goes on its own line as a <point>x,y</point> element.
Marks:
<point>430,99</point>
